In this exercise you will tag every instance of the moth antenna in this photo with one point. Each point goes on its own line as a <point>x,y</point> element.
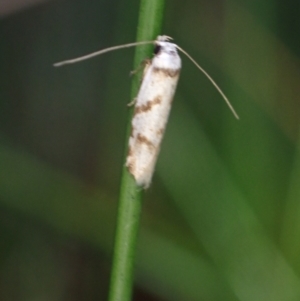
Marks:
<point>212,81</point>
<point>99,52</point>
<point>164,38</point>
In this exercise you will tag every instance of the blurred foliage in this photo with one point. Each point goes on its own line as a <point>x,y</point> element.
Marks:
<point>221,220</point>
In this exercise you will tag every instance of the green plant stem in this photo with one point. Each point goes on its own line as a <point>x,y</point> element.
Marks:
<point>130,202</point>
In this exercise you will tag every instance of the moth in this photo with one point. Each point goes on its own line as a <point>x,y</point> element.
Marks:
<point>152,104</point>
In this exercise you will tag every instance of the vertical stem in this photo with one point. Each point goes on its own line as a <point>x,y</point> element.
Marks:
<point>130,202</point>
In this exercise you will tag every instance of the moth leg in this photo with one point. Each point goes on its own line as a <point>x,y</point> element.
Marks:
<point>132,103</point>
<point>144,64</point>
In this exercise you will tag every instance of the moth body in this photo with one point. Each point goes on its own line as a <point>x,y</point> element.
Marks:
<point>151,112</point>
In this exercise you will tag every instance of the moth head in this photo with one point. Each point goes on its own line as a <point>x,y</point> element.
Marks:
<point>165,48</point>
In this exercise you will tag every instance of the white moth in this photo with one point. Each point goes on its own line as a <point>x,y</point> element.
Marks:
<point>152,105</point>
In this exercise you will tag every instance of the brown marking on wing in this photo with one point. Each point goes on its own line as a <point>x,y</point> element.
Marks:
<point>160,131</point>
<point>167,72</point>
<point>130,152</point>
<point>144,140</point>
<point>148,106</point>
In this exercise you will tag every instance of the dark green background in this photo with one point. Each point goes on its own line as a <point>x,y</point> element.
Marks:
<point>221,220</point>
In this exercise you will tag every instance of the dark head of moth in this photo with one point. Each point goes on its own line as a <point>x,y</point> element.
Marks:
<point>157,49</point>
